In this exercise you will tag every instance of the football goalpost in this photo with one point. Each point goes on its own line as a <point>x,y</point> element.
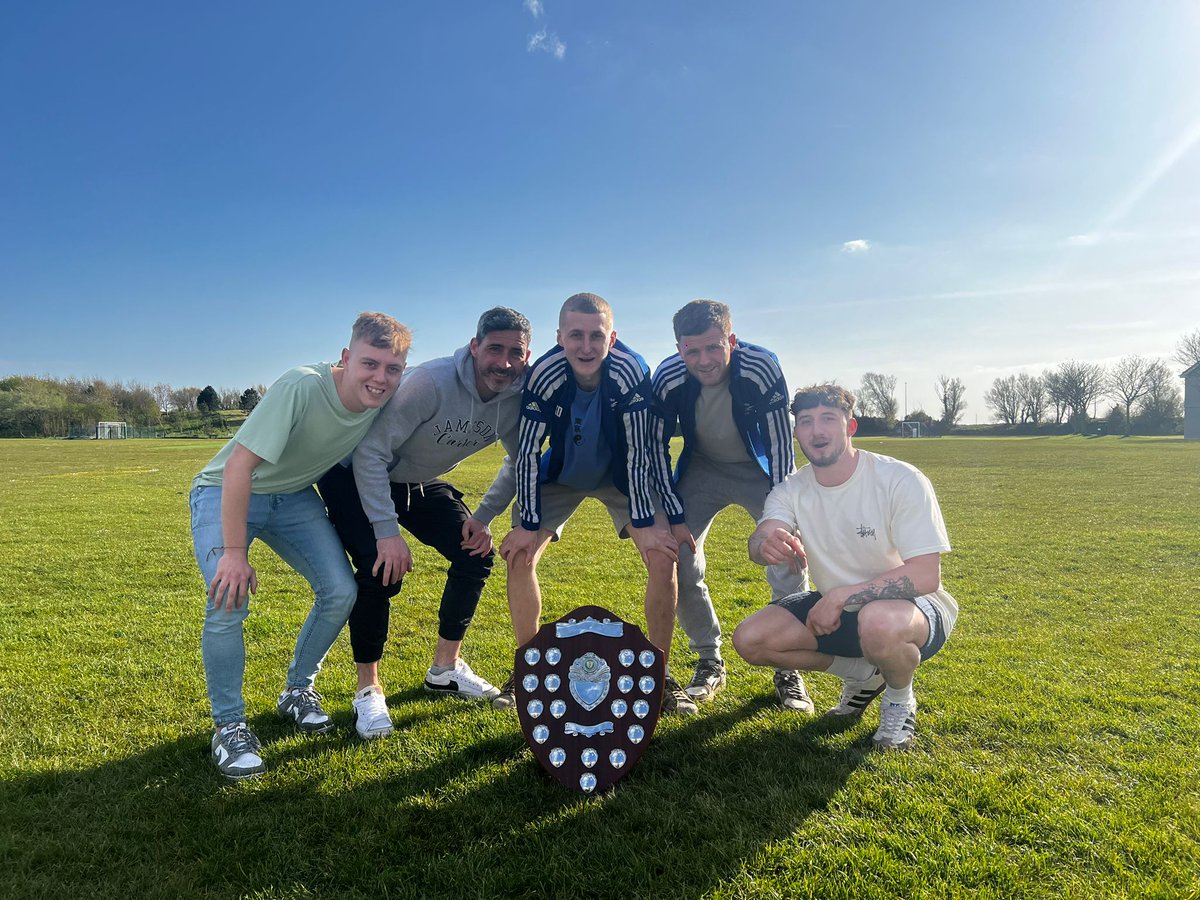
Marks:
<point>911,429</point>
<point>111,431</point>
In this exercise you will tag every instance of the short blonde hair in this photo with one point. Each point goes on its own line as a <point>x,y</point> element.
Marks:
<point>593,304</point>
<point>381,330</point>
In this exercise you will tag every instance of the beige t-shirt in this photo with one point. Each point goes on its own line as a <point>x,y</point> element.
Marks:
<point>716,433</point>
<point>885,513</point>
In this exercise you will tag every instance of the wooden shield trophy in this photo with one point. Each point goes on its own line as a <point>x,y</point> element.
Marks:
<point>589,692</point>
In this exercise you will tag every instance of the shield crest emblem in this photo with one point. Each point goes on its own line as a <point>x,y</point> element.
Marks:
<point>589,693</point>
<point>589,678</point>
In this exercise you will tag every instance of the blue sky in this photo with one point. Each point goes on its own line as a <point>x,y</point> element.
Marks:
<point>209,193</point>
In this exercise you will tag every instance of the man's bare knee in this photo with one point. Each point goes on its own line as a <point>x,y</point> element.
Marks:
<point>659,566</point>
<point>748,641</point>
<point>882,628</point>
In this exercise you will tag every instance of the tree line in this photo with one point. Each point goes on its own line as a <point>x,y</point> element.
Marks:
<point>32,406</point>
<point>1143,393</point>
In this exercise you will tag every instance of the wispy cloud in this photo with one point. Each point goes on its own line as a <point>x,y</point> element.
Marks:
<point>858,246</point>
<point>1056,289</point>
<point>547,42</point>
<point>1158,168</point>
<point>1126,236</point>
<point>534,7</point>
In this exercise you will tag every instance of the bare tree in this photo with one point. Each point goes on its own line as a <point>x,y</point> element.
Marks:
<point>1128,380</point>
<point>1004,399</point>
<point>229,398</point>
<point>161,393</point>
<point>877,396</point>
<point>951,393</point>
<point>1187,351</point>
<point>1081,384</point>
<point>1162,404</point>
<point>1032,392</point>
<point>1055,395</point>
<point>184,398</point>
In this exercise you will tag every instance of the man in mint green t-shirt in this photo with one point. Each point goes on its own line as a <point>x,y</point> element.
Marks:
<point>260,485</point>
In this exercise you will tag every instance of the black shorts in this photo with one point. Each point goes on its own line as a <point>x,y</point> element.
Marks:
<point>844,641</point>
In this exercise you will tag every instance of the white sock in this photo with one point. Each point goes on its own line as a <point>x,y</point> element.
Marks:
<point>851,668</point>
<point>901,695</point>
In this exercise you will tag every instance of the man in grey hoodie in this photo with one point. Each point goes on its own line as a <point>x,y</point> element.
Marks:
<point>444,411</point>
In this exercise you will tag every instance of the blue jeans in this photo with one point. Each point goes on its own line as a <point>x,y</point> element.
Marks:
<point>295,527</point>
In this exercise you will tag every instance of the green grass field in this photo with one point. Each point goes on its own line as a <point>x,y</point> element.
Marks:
<point>1058,731</point>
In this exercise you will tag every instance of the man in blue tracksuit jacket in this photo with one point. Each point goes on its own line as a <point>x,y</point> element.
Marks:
<point>730,401</point>
<point>590,396</point>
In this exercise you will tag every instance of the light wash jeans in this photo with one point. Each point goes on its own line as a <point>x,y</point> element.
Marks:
<point>294,526</point>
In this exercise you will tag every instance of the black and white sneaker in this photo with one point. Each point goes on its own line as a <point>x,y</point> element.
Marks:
<point>461,682</point>
<point>303,706</point>
<point>708,678</point>
<point>675,701</point>
<point>897,726</point>
<point>791,693</point>
<point>507,698</point>
<point>235,751</point>
<point>857,696</point>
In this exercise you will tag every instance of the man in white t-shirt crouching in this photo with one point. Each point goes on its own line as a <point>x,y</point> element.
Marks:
<point>871,532</point>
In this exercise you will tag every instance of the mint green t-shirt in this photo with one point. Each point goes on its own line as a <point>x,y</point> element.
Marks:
<point>300,428</point>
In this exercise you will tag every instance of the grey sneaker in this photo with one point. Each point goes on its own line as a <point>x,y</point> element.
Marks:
<point>857,696</point>
<point>507,698</point>
<point>235,751</point>
<point>790,691</point>
<point>708,678</point>
<point>303,706</point>
<point>897,726</point>
<point>461,682</point>
<point>675,701</point>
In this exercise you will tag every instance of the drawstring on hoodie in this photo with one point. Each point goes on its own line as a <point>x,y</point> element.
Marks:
<point>408,493</point>
<point>468,386</point>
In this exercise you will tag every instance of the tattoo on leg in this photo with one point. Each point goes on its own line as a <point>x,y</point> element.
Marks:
<point>900,588</point>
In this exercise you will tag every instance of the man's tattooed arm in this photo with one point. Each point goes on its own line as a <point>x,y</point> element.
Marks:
<point>900,588</point>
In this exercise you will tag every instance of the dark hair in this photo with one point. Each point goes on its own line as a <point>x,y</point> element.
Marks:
<point>699,316</point>
<point>592,304</point>
<point>501,318</point>
<point>815,395</point>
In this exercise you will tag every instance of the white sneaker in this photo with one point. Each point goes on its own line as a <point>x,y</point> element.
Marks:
<point>461,682</point>
<point>371,719</point>
<point>897,726</point>
<point>857,696</point>
<point>235,751</point>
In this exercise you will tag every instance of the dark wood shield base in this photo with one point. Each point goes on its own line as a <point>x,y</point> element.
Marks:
<point>616,671</point>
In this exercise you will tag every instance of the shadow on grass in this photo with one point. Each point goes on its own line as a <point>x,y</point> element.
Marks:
<point>479,818</point>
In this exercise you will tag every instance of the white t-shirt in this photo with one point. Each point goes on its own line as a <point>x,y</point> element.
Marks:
<point>885,513</point>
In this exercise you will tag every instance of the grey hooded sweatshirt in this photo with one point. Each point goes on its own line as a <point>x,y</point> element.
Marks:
<point>435,420</point>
